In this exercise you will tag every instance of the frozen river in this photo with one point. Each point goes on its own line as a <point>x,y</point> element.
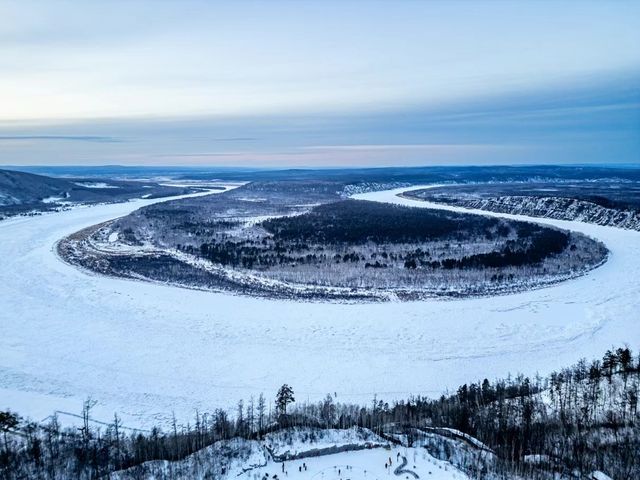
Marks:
<point>146,350</point>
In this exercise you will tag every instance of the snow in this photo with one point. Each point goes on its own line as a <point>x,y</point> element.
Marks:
<point>146,350</point>
<point>362,465</point>
<point>96,185</point>
<point>231,456</point>
<point>51,199</point>
<point>255,463</point>
<point>597,475</point>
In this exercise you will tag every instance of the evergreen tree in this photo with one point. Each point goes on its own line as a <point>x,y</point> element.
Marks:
<point>284,398</point>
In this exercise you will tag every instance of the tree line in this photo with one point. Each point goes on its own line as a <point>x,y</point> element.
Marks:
<point>579,419</point>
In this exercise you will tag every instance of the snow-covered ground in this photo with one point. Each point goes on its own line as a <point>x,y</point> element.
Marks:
<point>146,350</point>
<point>362,465</point>
<point>250,460</point>
<point>96,185</point>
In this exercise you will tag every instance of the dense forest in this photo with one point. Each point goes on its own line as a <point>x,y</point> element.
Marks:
<point>372,245</point>
<point>359,221</point>
<point>306,239</point>
<point>574,421</point>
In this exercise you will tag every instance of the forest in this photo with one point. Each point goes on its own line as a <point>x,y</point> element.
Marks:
<point>308,239</point>
<point>359,221</point>
<point>361,244</point>
<point>571,422</point>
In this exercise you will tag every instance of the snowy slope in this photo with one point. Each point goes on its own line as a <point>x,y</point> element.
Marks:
<point>558,208</point>
<point>223,459</point>
<point>362,465</point>
<point>145,350</point>
<point>27,188</point>
<point>253,463</point>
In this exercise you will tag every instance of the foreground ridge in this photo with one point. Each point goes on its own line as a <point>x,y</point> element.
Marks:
<point>577,421</point>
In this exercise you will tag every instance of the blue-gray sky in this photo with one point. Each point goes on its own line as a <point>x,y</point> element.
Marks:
<point>285,83</point>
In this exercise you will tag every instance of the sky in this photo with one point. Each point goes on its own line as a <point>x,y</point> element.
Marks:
<point>310,83</point>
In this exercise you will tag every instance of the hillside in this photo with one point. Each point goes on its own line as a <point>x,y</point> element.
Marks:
<point>28,193</point>
<point>613,203</point>
<point>573,424</point>
<point>19,188</point>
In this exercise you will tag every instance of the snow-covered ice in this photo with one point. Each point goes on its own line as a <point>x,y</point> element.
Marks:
<point>146,350</point>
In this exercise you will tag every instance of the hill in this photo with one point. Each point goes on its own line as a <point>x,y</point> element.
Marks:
<point>28,193</point>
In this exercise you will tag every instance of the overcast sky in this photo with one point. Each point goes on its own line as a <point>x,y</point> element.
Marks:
<point>319,83</point>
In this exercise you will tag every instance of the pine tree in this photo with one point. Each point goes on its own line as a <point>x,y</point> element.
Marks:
<point>609,362</point>
<point>284,398</point>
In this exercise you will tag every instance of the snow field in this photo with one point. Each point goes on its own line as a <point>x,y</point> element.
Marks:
<point>253,460</point>
<point>361,465</point>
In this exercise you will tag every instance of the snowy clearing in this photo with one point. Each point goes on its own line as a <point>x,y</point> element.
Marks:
<point>144,349</point>
<point>250,460</point>
<point>363,465</point>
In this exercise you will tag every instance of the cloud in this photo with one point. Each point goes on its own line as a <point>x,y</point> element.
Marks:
<point>416,147</point>
<point>70,138</point>
<point>235,139</point>
<point>82,60</point>
<point>592,121</point>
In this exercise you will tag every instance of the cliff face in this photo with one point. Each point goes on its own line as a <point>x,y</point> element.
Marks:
<point>555,207</point>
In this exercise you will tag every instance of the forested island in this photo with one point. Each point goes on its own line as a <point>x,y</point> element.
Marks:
<point>307,239</point>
